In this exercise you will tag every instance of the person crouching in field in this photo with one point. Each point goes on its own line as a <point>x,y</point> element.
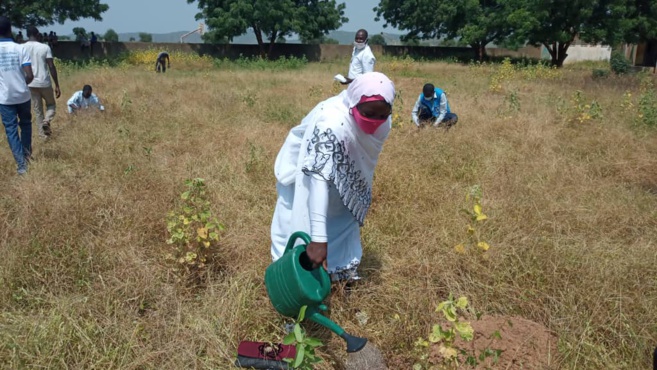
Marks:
<point>432,108</point>
<point>324,174</point>
<point>160,64</point>
<point>84,99</point>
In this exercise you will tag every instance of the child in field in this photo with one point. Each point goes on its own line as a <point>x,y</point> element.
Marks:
<point>84,99</point>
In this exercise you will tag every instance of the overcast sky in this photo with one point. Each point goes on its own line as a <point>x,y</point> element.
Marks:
<point>153,16</point>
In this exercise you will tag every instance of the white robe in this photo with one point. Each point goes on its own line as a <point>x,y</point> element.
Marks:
<point>329,145</point>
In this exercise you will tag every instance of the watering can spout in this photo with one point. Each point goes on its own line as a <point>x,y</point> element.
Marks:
<point>354,344</point>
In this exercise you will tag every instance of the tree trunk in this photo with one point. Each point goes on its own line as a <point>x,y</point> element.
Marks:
<point>261,43</point>
<point>272,42</point>
<point>479,50</point>
<point>558,52</point>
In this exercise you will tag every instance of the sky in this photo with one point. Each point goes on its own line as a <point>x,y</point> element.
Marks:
<point>152,16</point>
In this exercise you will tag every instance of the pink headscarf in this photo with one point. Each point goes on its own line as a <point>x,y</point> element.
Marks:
<point>369,85</point>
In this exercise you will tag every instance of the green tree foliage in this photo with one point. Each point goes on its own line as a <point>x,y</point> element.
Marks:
<point>46,12</point>
<point>111,36</point>
<point>145,37</point>
<point>269,19</point>
<point>556,24</point>
<point>79,32</point>
<point>377,40</point>
<point>474,22</point>
<point>642,20</point>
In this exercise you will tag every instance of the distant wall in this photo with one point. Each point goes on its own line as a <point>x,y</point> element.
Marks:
<point>578,53</point>
<point>70,50</point>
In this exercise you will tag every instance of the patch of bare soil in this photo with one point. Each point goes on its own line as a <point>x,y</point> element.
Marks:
<point>520,343</point>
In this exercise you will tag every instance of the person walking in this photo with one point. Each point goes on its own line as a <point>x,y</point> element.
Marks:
<point>45,73</point>
<point>15,109</point>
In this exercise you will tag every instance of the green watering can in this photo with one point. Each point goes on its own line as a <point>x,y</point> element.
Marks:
<point>292,283</point>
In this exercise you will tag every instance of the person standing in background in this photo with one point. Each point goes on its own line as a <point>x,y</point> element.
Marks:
<point>362,58</point>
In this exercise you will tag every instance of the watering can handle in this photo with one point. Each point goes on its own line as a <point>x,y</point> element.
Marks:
<point>293,239</point>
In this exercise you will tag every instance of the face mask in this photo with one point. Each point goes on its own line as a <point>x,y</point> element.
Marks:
<point>368,125</point>
<point>429,98</point>
<point>360,45</point>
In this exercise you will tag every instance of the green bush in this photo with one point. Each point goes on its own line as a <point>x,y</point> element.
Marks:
<point>619,64</point>
<point>601,73</point>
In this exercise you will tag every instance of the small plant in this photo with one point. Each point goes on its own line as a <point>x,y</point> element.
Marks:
<point>305,357</point>
<point>448,354</point>
<point>249,99</point>
<point>126,102</point>
<point>397,120</point>
<point>600,73</point>
<point>540,71</point>
<point>193,231</point>
<point>504,73</point>
<point>255,162</point>
<point>619,64</point>
<point>476,218</point>
<point>648,103</point>
<point>627,105</point>
<point>510,106</point>
<point>584,111</point>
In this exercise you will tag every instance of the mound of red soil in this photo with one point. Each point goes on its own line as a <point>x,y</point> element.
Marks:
<point>521,344</point>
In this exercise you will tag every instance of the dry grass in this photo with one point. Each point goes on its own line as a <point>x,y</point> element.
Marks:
<point>572,221</point>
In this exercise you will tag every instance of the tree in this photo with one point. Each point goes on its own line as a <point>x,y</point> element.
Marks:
<point>269,19</point>
<point>79,33</point>
<point>556,24</point>
<point>377,40</point>
<point>132,39</point>
<point>111,36</point>
<point>145,37</point>
<point>23,13</point>
<point>642,21</point>
<point>474,22</point>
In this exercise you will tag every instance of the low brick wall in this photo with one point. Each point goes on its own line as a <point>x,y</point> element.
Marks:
<point>70,50</point>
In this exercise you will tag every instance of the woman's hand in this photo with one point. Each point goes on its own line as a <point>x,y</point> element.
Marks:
<point>317,254</point>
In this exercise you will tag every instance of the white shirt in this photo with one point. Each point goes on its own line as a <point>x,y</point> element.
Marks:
<point>38,54</point>
<point>83,103</point>
<point>362,61</point>
<point>13,57</point>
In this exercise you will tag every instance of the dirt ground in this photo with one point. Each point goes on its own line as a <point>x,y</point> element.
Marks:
<point>524,345</point>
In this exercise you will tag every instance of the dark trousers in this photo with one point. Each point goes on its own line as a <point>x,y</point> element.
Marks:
<point>425,115</point>
<point>161,65</point>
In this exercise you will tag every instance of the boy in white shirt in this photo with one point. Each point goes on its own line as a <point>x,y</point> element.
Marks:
<point>41,89</point>
<point>15,112</point>
<point>83,99</point>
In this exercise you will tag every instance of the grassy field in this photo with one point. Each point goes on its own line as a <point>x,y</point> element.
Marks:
<point>571,198</point>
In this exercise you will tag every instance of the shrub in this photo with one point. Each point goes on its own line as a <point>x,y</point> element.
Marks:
<point>619,64</point>
<point>193,231</point>
<point>601,73</point>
